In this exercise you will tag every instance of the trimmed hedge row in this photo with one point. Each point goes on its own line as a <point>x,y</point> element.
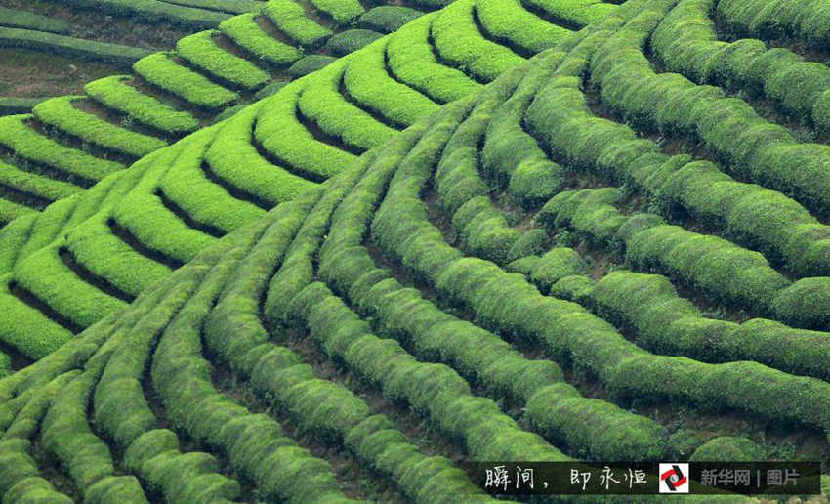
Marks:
<point>9,211</point>
<point>45,276</point>
<point>29,144</point>
<point>411,60</point>
<point>38,185</point>
<point>482,228</point>
<point>281,133</point>
<point>342,12</point>
<point>27,329</point>
<point>434,389</point>
<point>511,157</point>
<point>388,18</point>
<point>803,19</point>
<point>698,259</point>
<point>349,41</point>
<point>290,18</point>
<point>575,12</point>
<point>22,481</point>
<point>508,303</point>
<point>71,46</point>
<point>739,449</point>
<point>201,51</point>
<point>191,477</point>
<point>755,148</point>
<point>751,214</point>
<point>229,6</point>
<point>686,41</point>
<point>24,19</point>
<point>477,354</point>
<point>93,245</point>
<point>330,411</point>
<point>248,34</point>
<point>202,200</point>
<point>160,70</point>
<point>309,64</point>
<point>669,324</point>
<point>232,157</point>
<point>322,103</point>
<point>115,93</point>
<point>508,20</point>
<point>458,41</point>
<point>368,82</point>
<point>66,434</point>
<point>154,10</point>
<point>142,212</point>
<point>60,113</point>
<point>254,443</point>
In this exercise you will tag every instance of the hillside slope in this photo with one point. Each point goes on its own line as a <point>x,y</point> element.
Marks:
<point>587,258</point>
<point>104,245</point>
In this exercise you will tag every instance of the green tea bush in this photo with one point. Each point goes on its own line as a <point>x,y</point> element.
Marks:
<point>290,18</point>
<point>248,34</point>
<point>201,51</point>
<point>76,164</point>
<point>60,113</point>
<point>160,70</point>
<point>458,40</point>
<point>61,44</point>
<point>388,18</point>
<point>349,41</point>
<point>113,92</point>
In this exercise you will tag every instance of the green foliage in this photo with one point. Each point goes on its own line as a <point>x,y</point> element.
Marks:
<point>508,20</point>
<point>342,12</point>
<point>201,51</point>
<point>230,6</point>
<point>233,158</point>
<point>71,46</point>
<point>322,102</point>
<point>60,113</point>
<point>290,18</point>
<point>728,448</point>
<point>156,10</point>
<point>349,41</point>
<point>25,19</point>
<point>807,20</point>
<point>43,187</point>
<point>369,83</point>
<point>411,60</point>
<point>458,40</point>
<point>806,303</point>
<point>248,34</point>
<point>44,275</point>
<point>160,70</point>
<point>578,12</point>
<point>309,64</point>
<point>17,136</point>
<point>388,18</point>
<point>283,135</point>
<point>115,93</point>
<point>709,262</point>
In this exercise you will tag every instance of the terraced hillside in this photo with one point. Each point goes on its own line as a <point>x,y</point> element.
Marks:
<point>70,143</point>
<point>104,244</point>
<point>433,250</point>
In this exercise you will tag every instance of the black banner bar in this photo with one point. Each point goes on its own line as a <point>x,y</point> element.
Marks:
<point>631,478</point>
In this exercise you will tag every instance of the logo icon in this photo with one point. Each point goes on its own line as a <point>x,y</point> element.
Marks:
<point>673,478</point>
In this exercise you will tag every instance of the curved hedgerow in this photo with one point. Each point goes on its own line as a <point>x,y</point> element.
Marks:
<point>115,93</point>
<point>160,70</point>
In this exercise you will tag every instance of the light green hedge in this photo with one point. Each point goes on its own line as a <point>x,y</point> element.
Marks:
<point>60,113</point>
<point>71,46</point>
